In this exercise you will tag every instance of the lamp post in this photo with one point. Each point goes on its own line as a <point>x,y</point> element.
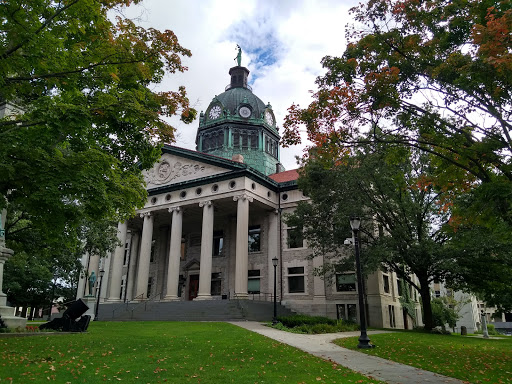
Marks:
<point>364,340</point>
<point>101,273</point>
<point>274,263</point>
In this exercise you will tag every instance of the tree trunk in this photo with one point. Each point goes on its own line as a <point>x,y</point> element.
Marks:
<point>427,306</point>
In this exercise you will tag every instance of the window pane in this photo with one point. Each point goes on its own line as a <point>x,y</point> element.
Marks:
<point>296,284</point>
<point>386,284</point>
<point>253,286</point>
<point>253,272</point>
<point>346,282</point>
<point>352,312</point>
<point>295,239</point>
<point>254,238</point>
<point>218,243</point>
<point>295,270</point>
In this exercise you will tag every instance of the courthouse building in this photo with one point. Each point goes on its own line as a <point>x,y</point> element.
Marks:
<point>214,220</point>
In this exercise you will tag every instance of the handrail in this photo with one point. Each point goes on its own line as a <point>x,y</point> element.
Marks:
<point>123,305</point>
<point>145,302</point>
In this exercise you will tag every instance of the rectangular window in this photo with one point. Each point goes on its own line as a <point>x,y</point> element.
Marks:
<point>294,238</point>
<point>183,244</point>
<point>253,283</point>
<point>254,141</point>
<point>386,283</point>
<point>347,312</point>
<point>399,287</point>
<point>126,248</point>
<point>254,238</point>
<point>153,251</point>
<point>216,284</point>
<point>123,287</point>
<point>150,285</point>
<point>218,243</point>
<point>346,282</point>
<point>438,293</point>
<point>391,310</point>
<point>245,140</point>
<point>236,139</point>
<point>296,280</point>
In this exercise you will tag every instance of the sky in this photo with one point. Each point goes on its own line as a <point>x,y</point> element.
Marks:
<point>282,41</point>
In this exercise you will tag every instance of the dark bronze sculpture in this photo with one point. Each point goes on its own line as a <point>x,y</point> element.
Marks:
<point>71,320</point>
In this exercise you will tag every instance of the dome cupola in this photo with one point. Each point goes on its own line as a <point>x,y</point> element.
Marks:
<point>237,122</point>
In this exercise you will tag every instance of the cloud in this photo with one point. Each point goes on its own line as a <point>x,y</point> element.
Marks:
<point>282,42</point>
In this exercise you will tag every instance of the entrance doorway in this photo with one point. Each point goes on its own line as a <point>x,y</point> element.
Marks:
<point>193,287</point>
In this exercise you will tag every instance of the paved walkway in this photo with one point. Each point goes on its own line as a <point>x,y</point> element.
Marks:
<point>376,367</point>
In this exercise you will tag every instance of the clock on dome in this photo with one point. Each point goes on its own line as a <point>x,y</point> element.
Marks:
<point>245,112</point>
<point>214,112</point>
<point>269,118</point>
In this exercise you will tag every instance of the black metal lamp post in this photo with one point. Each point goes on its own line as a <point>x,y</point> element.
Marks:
<point>274,263</point>
<point>364,340</point>
<point>101,273</point>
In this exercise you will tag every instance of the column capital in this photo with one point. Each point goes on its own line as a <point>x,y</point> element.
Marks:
<point>145,214</point>
<point>173,209</point>
<point>243,196</point>
<point>205,203</point>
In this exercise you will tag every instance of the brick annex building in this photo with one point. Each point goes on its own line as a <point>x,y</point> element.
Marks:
<point>213,223</point>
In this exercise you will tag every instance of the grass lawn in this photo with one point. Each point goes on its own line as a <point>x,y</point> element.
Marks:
<point>158,352</point>
<point>466,358</point>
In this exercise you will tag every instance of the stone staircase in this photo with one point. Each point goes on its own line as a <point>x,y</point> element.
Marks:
<point>207,310</point>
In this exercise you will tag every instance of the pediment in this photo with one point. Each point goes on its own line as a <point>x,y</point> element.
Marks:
<point>172,169</point>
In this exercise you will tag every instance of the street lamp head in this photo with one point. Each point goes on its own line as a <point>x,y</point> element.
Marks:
<point>101,272</point>
<point>274,261</point>
<point>355,222</point>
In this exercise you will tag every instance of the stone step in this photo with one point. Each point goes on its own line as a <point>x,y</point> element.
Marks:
<point>208,310</point>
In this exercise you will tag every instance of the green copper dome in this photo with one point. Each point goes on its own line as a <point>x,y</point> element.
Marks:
<point>237,122</point>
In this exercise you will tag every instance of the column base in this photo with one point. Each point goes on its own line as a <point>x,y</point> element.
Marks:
<point>171,298</point>
<point>203,297</point>
<point>90,301</point>
<point>10,320</point>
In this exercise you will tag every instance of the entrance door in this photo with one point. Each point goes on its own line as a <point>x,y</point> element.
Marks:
<point>193,287</point>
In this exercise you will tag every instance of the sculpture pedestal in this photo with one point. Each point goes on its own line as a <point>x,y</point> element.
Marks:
<point>6,312</point>
<point>91,303</point>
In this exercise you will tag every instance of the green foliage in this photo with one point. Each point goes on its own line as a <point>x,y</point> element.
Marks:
<point>435,76</point>
<point>173,352</point>
<point>444,313</point>
<point>297,320</point>
<point>79,122</point>
<point>402,214</point>
<point>469,359</point>
<point>313,324</point>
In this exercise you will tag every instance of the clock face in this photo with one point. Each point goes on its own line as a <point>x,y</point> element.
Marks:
<point>215,112</point>
<point>269,118</point>
<point>245,112</point>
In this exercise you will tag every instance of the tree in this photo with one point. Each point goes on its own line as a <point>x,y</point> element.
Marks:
<point>436,76</point>
<point>80,120</point>
<point>403,214</point>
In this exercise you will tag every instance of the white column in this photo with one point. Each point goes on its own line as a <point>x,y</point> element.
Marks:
<point>134,254</point>
<point>273,247</point>
<point>173,269</point>
<point>82,279</point>
<point>205,269</point>
<point>116,271</point>
<point>144,257</point>
<point>242,240</point>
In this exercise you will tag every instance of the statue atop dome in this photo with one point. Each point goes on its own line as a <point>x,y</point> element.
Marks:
<point>238,57</point>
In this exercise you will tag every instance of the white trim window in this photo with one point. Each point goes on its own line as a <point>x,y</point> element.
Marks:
<point>296,280</point>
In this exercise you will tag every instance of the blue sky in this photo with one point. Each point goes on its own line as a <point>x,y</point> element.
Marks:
<point>283,42</point>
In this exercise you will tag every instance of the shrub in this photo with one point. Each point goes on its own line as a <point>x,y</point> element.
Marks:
<point>298,320</point>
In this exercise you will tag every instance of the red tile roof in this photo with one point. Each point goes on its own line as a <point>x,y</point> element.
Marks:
<point>285,176</point>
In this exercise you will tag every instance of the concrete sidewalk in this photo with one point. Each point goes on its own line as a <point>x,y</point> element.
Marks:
<point>376,367</point>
